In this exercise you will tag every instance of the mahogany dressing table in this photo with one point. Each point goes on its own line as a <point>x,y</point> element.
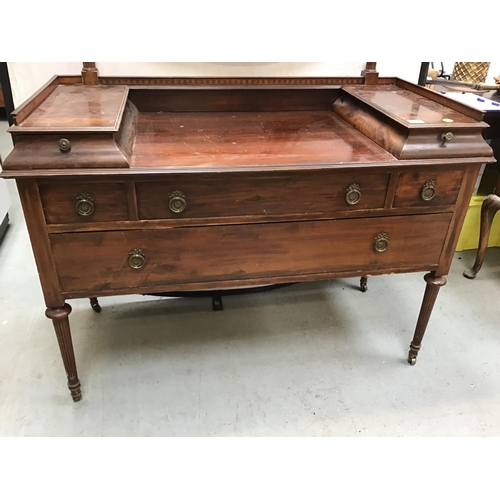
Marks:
<point>150,185</point>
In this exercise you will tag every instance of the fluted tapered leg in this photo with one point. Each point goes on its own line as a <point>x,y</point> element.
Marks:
<point>490,206</point>
<point>59,317</point>
<point>434,283</point>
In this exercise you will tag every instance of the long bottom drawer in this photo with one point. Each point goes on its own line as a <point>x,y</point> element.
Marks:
<point>94,261</point>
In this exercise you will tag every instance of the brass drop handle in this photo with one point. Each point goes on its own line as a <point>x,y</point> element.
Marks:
<point>64,145</point>
<point>428,190</point>
<point>84,204</point>
<point>381,242</point>
<point>447,136</point>
<point>177,202</point>
<point>136,258</point>
<point>353,194</point>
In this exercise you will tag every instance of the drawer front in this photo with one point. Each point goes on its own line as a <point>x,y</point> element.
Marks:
<point>233,195</point>
<point>428,188</point>
<point>84,202</point>
<point>119,260</point>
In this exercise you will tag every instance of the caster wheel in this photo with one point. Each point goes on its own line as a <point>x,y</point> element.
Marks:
<point>412,360</point>
<point>217,303</point>
<point>95,305</point>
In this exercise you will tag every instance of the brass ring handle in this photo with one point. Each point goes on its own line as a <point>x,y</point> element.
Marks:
<point>177,202</point>
<point>64,145</point>
<point>447,136</point>
<point>136,258</point>
<point>84,204</point>
<point>428,190</point>
<point>381,242</point>
<point>353,194</point>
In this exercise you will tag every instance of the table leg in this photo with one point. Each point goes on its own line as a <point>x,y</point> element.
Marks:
<point>434,283</point>
<point>489,208</point>
<point>59,317</point>
<point>363,284</point>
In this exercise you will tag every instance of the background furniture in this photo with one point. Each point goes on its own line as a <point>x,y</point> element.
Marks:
<point>491,203</point>
<point>147,185</point>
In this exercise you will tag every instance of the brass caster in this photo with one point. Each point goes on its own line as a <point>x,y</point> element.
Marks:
<point>412,359</point>
<point>95,305</point>
<point>217,303</point>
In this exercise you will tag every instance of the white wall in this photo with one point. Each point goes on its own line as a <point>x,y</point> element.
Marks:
<point>28,77</point>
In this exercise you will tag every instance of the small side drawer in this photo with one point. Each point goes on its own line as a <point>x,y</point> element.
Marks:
<point>84,202</point>
<point>428,188</point>
<point>236,195</point>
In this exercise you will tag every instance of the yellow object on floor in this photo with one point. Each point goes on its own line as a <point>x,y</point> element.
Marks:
<point>469,237</point>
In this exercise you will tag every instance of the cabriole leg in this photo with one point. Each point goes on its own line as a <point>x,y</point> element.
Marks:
<point>434,283</point>
<point>59,317</point>
<point>490,206</point>
<point>95,304</point>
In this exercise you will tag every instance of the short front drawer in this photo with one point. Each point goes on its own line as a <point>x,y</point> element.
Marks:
<point>84,202</point>
<point>432,188</point>
<point>231,195</point>
<point>122,260</point>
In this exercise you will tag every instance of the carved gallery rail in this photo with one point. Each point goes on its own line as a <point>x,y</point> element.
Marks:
<point>140,186</point>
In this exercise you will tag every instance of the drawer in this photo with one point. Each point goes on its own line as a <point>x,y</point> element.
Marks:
<point>428,188</point>
<point>84,202</point>
<point>231,195</point>
<point>95,261</point>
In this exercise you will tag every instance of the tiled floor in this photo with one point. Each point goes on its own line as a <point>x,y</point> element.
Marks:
<point>314,359</point>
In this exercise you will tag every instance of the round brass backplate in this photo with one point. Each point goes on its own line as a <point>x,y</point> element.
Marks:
<point>136,258</point>
<point>381,242</point>
<point>177,202</point>
<point>428,190</point>
<point>64,145</point>
<point>84,205</point>
<point>353,194</point>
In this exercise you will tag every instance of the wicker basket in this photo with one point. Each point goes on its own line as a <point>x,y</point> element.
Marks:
<point>471,72</point>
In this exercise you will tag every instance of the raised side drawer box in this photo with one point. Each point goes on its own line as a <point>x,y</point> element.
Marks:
<point>84,202</point>
<point>95,261</point>
<point>232,195</point>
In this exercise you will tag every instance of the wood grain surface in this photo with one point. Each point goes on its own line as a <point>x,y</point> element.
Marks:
<point>250,138</point>
<point>99,261</point>
<point>232,195</point>
<point>59,201</point>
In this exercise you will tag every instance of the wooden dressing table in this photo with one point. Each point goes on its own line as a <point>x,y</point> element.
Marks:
<point>147,185</point>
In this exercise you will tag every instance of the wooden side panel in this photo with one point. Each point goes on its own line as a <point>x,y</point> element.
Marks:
<point>33,213</point>
<point>466,190</point>
<point>265,194</point>
<point>100,261</point>
<point>125,138</point>
<point>192,99</point>
<point>372,124</point>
